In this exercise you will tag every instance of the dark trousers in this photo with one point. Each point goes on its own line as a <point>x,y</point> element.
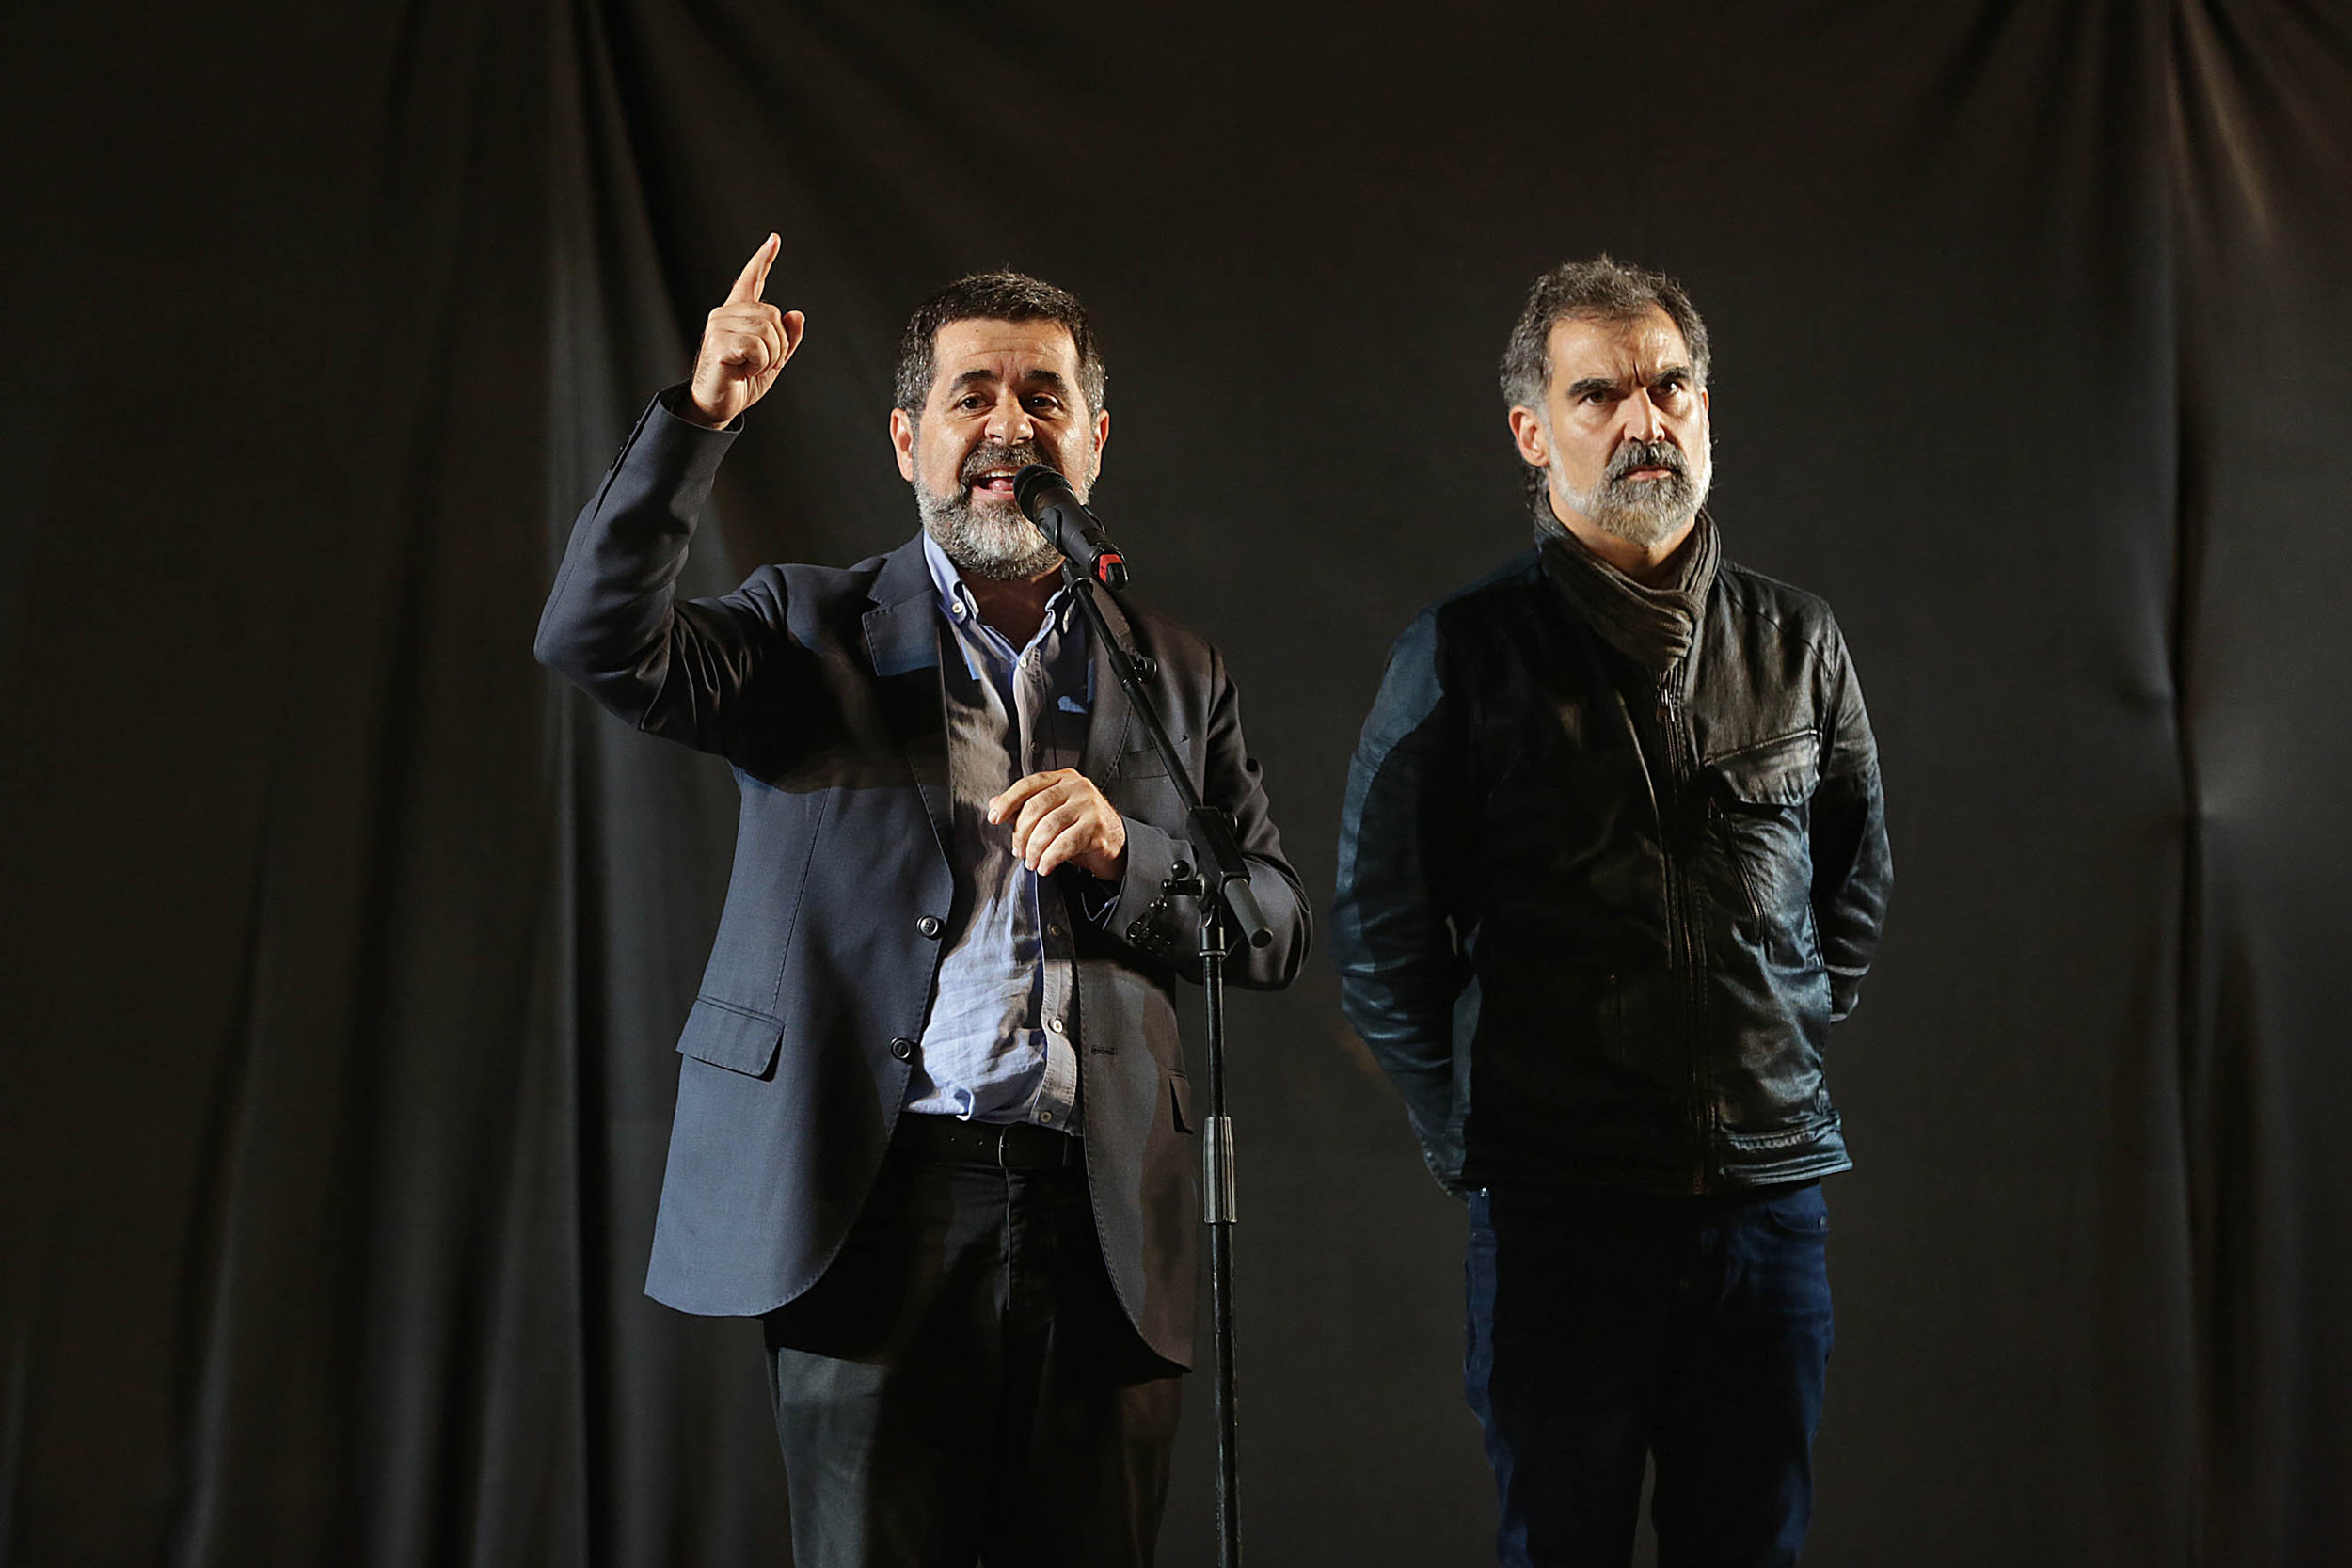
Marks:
<point>1605,1327</point>
<point>961,1385</point>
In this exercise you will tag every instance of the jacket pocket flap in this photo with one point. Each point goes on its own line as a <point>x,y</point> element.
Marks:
<point>1776,773</point>
<point>1141,759</point>
<point>1180,1097</point>
<point>730,1037</point>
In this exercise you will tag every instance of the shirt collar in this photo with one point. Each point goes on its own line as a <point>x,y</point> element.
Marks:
<point>956,600</point>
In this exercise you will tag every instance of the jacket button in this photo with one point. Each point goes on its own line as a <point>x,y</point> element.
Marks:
<point>1136,930</point>
<point>902,1048</point>
<point>928,925</point>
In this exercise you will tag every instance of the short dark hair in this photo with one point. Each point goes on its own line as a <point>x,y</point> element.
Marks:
<point>997,297</point>
<point>1602,289</point>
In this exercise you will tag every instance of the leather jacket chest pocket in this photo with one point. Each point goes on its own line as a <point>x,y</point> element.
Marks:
<point>1760,801</point>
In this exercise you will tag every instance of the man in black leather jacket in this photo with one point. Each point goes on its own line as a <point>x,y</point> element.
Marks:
<point>1613,860</point>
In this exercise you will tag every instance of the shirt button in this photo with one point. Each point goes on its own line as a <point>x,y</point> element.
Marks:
<point>927,924</point>
<point>1054,1024</point>
<point>902,1048</point>
<point>1045,1116</point>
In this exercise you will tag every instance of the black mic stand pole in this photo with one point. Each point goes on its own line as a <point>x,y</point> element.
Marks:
<point>1222,885</point>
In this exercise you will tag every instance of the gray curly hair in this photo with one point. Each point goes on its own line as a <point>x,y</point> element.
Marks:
<point>1602,289</point>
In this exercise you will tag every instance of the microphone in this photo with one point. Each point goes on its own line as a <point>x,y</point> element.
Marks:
<point>1047,500</point>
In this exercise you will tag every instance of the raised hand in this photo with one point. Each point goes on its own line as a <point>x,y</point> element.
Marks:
<point>745,343</point>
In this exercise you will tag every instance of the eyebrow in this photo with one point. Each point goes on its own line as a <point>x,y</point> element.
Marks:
<point>1609,384</point>
<point>1051,379</point>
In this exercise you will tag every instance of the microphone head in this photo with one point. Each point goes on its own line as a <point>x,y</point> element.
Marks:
<point>1033,488</point>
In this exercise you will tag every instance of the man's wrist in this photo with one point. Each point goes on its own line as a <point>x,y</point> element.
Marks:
<point>678,402</point>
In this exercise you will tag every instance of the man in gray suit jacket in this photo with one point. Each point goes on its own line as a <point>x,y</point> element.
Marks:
<point>934,1123</point>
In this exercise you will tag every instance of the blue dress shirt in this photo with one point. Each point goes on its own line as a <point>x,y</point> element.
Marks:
<point>1000,1043</point>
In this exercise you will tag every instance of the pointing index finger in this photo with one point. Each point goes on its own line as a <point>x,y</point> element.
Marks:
<point>754,276</point>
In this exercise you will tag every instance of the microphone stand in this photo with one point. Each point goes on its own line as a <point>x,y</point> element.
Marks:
<point>1222,885</point>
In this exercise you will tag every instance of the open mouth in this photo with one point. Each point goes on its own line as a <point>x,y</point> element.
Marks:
<point>994,482</point>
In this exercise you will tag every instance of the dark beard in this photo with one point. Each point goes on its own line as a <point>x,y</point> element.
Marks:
<point>989,537</point>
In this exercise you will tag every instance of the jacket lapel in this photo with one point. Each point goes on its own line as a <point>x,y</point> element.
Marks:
<point>1108,724</point>
<point>903,639</point>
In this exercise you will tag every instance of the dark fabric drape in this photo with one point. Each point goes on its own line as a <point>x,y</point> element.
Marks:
<point>345,950</point>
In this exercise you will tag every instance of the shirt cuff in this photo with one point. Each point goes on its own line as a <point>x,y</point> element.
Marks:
<point>1098,900</point>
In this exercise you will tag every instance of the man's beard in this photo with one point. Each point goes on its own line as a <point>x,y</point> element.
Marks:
<point>1646,512</point>
<point>982,533</point>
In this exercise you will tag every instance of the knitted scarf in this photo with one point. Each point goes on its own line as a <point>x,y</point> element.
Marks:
<point>1655,627</point>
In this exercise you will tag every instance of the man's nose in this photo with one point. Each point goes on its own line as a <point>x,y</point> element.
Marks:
<point>1643,420</point>
<point>1008,422</point>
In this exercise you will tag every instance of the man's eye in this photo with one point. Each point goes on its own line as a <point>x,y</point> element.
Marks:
<point>1043,404</point>
<point>968,404</point>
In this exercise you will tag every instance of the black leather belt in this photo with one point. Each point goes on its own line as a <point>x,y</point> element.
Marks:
<point>1011,1145</point>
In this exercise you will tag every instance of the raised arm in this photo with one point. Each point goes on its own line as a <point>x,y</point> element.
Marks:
<point>611,623</point>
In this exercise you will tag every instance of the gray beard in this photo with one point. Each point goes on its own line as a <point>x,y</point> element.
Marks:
<point>1646,512</point>
<point>991,539</point>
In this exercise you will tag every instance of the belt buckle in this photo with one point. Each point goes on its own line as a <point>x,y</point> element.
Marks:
<point>1004,1138</point>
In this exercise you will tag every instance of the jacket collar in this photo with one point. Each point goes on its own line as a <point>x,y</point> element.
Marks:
<point>1106,726</point>
<point>900,634</point>
<point>903,639</point>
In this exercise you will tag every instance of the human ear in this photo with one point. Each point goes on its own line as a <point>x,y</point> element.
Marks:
<point>1529,436</point>
<point>902,437</point>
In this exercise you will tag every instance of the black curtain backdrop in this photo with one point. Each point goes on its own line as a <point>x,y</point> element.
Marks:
<point>346,950</point>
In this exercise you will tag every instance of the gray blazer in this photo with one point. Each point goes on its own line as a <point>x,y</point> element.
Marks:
<point>821,686</point>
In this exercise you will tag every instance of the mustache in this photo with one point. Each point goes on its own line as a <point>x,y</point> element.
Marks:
<point>999,454</point>
<point>1647,454</point>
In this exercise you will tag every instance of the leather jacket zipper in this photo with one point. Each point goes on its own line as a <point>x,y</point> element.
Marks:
<point>1678,773</point>
<point>1720,819</point>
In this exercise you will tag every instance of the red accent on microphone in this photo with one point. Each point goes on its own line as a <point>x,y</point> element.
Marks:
<point>1104,562</point>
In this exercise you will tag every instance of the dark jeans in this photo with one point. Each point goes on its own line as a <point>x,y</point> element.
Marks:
<point>963,1386</point>
<point>1606,1326</point>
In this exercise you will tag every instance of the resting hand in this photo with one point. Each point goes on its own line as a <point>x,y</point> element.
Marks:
<point>1060,818</point>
